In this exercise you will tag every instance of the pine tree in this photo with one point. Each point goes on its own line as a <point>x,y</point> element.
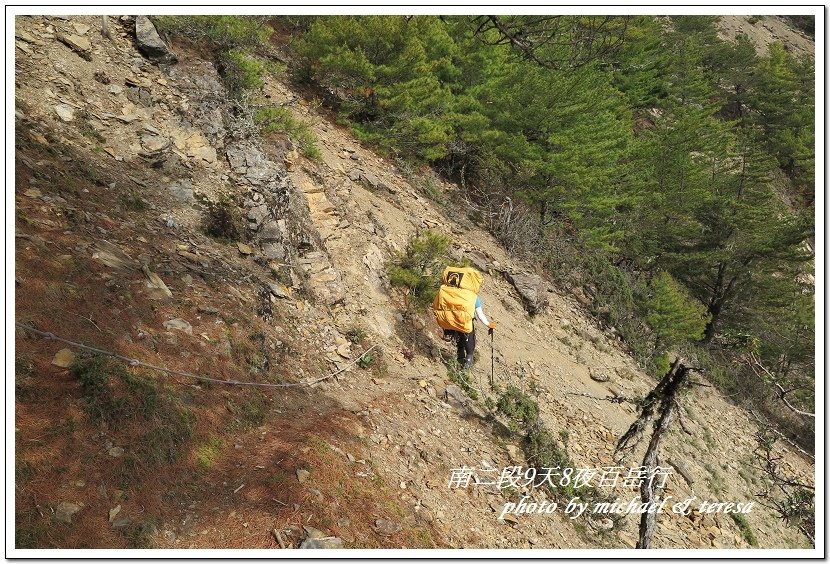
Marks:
<point>783,108</point>
<point>734,66</point>
<point>641,66</point>
<point>708,213</point>
<point>673,315</point>
<point>744,237</point>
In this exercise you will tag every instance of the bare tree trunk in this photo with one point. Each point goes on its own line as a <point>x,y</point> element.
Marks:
<point>648,520</point>
<point>105,27</point>
<point>665,393</point>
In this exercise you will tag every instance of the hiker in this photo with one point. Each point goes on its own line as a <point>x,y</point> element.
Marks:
<point>456,306</point>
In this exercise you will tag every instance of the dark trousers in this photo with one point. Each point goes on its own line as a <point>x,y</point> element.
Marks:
<point>466,347</point>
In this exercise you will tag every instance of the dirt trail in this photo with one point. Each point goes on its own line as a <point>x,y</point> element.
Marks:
<point>380,444</point>
<point>556,350</point>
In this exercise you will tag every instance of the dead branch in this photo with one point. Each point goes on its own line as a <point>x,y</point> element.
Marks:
<point>554,42</point>
<point>770,428</point>
<point>612,398</point>
<point>683,471</point>
<point>755,363</point>
<point>667,387</point>
<point>791,498</point>
<point>660,402</point>
<point>666,393</point>
<point>682,421</point>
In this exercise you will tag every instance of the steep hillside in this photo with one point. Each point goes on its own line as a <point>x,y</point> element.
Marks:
<point>120,163</point>
<point>764,30</point>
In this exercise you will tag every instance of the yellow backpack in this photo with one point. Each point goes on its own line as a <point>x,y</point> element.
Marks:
<point>455,304</point>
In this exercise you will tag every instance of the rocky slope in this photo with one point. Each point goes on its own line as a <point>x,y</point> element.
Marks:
<point>115,159</point>
<point>764,30</point>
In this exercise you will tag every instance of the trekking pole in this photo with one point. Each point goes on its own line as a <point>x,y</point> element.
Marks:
<point>492,360</point>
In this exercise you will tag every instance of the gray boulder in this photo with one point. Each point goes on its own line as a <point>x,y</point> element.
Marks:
<point>326,542</point>
<point>532,291</point>
<point>317,539</point>
<point>182,190</point>
<point>149,42</point>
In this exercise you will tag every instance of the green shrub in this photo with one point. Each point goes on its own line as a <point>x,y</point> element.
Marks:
<point>111,393</point>
<point>746,531</point>
<point>543,450</point>
<point>222,219</point>
<point>658,365</point>
<point>208,453</point>
<point>241,71</point>
<point>462,377</point>
<point>416,273</point>
<point>225,31</point>
<point>271,119</point>
<point>518,406</point>
<point>432,191</point>
<point>541,447</point>
<point>807,24</point>
<point>356,334</point>
<point>618,297</point>
<point>106,402</point>
<point>165,442</point>
<point>365,361</point>
<point>254,409</point>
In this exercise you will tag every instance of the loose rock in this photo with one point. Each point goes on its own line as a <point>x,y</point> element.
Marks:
<point>80,45</point>
<point>478,260</point>
<point>182,190</point>
<point>138,95</point>
<point>599,376</point>
<point>345,351</point>
<point>279,291</point>
<point>510,519</point>
<point>149,42</point>
<point>65,112</point>
<point>114,512</point>
<point>179,324</point>
<point>154,143</point>
<point>158,289</point>
<point>325,542</point>
<point>64,358</point>
<point>244,249</point>
<point>327,286</point>
<point>455,395</point>
<point>532,291</point>
<point>386,527</point>
<point>313,533</point>
<point>65,510</point>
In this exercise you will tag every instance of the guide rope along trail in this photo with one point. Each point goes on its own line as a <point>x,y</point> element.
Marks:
<point>136,362</point>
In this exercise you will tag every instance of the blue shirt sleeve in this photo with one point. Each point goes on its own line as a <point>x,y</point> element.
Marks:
<point>478,301</point>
